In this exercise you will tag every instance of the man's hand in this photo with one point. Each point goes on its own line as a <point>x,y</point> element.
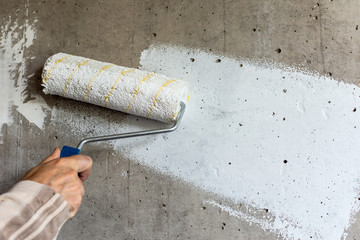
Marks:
<point>64,175</point>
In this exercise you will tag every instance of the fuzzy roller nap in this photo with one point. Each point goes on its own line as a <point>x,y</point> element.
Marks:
<point>129,90</point>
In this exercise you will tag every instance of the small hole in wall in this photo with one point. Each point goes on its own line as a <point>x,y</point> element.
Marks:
<point>266,210</point>
<point>330,74</point>
<point>241,65</point>
<point>284,119</point>
<point>154,34</point>
<point>218,60</point>
<point>278,50</point>
<point>285,161</point>
<point>354,110</point>
<point>284,90</point>
<point>55,137</point>
<point>192,60</point>
<point>229,163</point>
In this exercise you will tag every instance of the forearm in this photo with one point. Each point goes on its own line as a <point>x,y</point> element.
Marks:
<point>32,210</point>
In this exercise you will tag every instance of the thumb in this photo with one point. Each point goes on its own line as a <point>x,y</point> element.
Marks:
<point>54,155</point>
<point>82,164</point>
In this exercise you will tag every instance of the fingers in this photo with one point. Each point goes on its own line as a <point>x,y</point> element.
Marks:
<point>82,190</point>
<point>80,163</point>
<point>54,155</point>
<point>84,174</point>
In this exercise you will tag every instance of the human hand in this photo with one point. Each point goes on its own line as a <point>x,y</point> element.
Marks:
<point>64,175</point>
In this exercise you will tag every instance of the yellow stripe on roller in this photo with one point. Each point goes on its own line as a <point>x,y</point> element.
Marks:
<point>174,115</point>
<point>73,72</point>
<point>157,94</point>
<point>52,67</point>
<point>93,78</point>
<point>176,111</point>
<point>113,87</point>
<point>137,89</point>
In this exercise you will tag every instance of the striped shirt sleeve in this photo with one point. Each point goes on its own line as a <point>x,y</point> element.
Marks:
<point>31,210</point>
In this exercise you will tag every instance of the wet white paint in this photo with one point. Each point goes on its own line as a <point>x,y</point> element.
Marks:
<point>243,121</point>
<point>15,40</point>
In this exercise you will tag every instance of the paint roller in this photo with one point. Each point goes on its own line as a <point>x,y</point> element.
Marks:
<point>129,90</point>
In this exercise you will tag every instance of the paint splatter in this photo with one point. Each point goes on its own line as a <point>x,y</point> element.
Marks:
<point>15,39</point>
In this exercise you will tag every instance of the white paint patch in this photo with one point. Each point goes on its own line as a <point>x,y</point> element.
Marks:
<point>270,137</point>
<point>244,119</point>
<point>14,41</point>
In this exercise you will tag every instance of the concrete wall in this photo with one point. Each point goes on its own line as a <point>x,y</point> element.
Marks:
<point>126,199</point>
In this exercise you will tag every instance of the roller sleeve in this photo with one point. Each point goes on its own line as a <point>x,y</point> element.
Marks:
<point>120,88</point>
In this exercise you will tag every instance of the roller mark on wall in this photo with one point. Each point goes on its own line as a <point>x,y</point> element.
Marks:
<point>14,40</point>
<point>271,151</point>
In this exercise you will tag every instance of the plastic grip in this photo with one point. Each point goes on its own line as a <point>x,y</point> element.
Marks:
<point>67,151</point>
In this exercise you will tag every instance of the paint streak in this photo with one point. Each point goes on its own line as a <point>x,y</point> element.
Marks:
<point>14,40</point>
<point>230,120</point>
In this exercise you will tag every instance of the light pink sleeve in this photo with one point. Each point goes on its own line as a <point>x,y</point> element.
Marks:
<point>31,210</point>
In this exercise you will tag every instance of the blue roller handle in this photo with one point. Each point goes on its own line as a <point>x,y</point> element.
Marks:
<point>67,151</point>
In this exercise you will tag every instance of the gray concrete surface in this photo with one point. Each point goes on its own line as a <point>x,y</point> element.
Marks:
<point>322,36</point>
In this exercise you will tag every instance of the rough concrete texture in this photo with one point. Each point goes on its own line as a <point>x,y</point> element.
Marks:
<point>125,200</point>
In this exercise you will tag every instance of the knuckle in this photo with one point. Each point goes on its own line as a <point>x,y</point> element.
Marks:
<point>69,174</point>
<point>78,201</point>
<point>60,162</point>
<point>82,190</point>
<point>89,159</point>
